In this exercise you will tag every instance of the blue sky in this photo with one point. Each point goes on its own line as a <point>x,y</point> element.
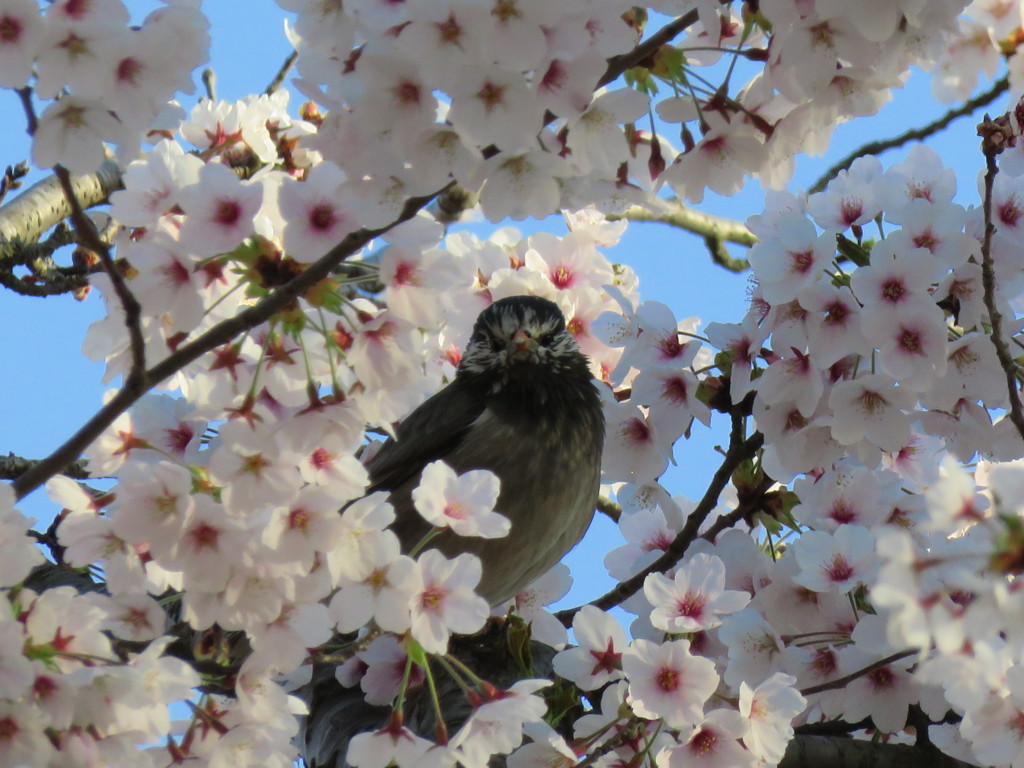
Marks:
<point>49,388</point>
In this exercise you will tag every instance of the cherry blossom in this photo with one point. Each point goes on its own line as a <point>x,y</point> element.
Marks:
<point>464,503</point>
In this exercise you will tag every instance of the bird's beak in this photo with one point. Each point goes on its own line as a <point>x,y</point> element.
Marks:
<point>523,345</point>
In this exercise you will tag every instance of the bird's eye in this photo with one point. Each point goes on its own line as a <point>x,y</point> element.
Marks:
<point>547,338</point>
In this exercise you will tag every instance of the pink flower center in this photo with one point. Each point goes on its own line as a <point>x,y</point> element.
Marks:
<point>607,660</point>
<point>562,278</point>
<point>692,606</point>
<point>204,536</point>
<point>128,70</point>
<point>882,679</point>
<point>432,598</point>
<point>802,262</point>
<point>840,569</point>
<point>893,290</point>
<point>636,432</point>
<point>228,212</point>
<point>321,458</point>
<point>704,742</point>
<point>299,519</point>
<point>10,29</point>
<point>321,217</point>
<point>667,679</point>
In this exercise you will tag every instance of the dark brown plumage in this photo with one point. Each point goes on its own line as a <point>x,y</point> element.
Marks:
<point>523,405</point>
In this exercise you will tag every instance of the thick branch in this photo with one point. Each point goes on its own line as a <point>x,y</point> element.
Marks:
<point>43,205</point>
<point>13,467</point>
<point>914,134</point>
<point>822,751</point>
<point>216,336</point>
<point>739,451</point>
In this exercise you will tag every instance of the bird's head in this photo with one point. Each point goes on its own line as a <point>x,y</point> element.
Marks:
<point>520,334</point>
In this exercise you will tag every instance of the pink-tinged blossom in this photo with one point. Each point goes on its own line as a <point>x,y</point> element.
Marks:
<point>894,282</point>
<point>209,543</point>
<point>743,343</point>
<point>720,161</point>
<point>252,469</point>
<point>284,642</point>
<point>391,745</point>
<point>835,562</point>
<point>649,532</point>
<point>20,32</point>
<point>715,743</point>
<point>332,467</point>
<point>667,682</point>
<point>843,495</point>
<point>921,175</point>
<point>852,198</point>
<point>834,330</point>
<point>671,396</point>
<point>153,501</point>
<point>497,725</point>
<point>871,407</point>
<point>884,694</point>
<point>913,347</point>
<point>309,524</point>
<point>546,589</point>
<point>363,521</point>
<point>939,229</point>
<point>443,600</point>
<point>71,132</point>
<point>770,709</point>
<point>464,503</point>
<point>597,660</point>
<point>317,212</point>
<point>794,377</point>
<point>383,595</point>
<point>385,661</point>
<point>972,373</point>
<point>634,451</point>
<point>597,139</point>
<point>520,186</point>
<point>695,598</point>
<point>795,257</point>
<point>754,647</point>
<point>18,555</point>
<point>221,210</point>
<point>136,617</point>
<point>494,106</point>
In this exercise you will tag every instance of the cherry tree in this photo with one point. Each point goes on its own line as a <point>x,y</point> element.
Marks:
<point>284,282</point>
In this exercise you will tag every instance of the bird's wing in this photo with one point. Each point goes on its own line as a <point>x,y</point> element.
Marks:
<point>429,433</point>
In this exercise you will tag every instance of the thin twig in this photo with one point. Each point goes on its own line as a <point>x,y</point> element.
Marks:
<point>842,682</point>
<point>282,73</point>
<point>739,451</point>
<point>914,134</point>
<point>988,281</point>
<point>89,237</point>
<point>715,230</point>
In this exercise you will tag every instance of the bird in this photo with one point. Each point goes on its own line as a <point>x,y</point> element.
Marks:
<point>522,404</point>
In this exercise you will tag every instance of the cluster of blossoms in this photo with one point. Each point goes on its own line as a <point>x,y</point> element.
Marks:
<point>871,373</point>
<point>113,80</point>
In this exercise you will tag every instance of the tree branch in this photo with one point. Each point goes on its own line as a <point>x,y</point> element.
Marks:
<point>819,751</point>
<point>715,230</point>
<point>842,682</point>
<point>282,73</point>
<point>739,451</point>
<point>220,334</point>
<point>914,134</point>
<point>13,467</point>
<point>619,64</point>
<point>993,142</point>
